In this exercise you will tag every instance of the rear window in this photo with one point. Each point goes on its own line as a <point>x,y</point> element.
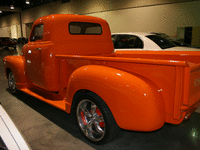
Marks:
<point>84,28</point>
<point>161,42</point>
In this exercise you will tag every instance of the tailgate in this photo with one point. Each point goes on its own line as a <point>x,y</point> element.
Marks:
<point>194,86</point>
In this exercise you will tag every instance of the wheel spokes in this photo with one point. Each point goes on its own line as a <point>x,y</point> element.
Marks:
<point>89,131</point>
<point>11,82</point>
<point>100,119</point>
<point>83,107</point>
<point>90,120</point>
<point>99,129</point>
<point>93,108</point>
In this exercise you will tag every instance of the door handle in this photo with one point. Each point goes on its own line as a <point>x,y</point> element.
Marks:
<point>38,49</point>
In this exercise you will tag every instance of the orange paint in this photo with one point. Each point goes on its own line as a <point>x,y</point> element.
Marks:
<point>143,89</point>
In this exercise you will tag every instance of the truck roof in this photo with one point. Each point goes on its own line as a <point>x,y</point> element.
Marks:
<point>56,26</point>
<point>69,17</point>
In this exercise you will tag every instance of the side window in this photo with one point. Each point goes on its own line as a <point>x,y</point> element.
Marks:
<point>125,42</point>
<point>85,28</point>
<point>138,43</point>
<point>128,42</point>
<point>37,33</point>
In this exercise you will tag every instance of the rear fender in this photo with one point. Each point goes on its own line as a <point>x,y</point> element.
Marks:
<point>135,103</point>
<point>16,65</point>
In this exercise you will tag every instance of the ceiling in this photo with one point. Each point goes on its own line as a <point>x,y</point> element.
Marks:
<point>20,5</point>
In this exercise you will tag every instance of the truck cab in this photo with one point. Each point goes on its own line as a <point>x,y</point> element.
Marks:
<point>55,34</point>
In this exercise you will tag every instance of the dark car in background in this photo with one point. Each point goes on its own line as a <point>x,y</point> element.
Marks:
<point>22,40</point>
<point>7,42</point>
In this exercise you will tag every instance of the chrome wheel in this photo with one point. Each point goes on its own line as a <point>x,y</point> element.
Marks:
<point>11,83</point>
<point>90,120</point>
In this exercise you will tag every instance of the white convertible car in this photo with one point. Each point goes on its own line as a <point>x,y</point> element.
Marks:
<point>145,41</point>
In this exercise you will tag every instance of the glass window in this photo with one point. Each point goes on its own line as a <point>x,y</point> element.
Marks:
<point>85,28</point>
<point>128,42</point>
<point>138,43</point>
<point>113,38</point>
<point>75,29</point>
<point>38,33</point>
<point>161,42</point>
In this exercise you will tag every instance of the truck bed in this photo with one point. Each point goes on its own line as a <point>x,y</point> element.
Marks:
<point>175,74</point>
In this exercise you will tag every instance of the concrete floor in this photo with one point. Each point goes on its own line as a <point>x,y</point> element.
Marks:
<point>47,128</point>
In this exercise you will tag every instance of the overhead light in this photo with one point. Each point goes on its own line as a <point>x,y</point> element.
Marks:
<point>12,7</point>
<point>0,11</point>
<point>27,1</point>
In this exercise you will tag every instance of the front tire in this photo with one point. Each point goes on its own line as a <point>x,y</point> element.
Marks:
<point>12,84</point>
<point>95,119</point>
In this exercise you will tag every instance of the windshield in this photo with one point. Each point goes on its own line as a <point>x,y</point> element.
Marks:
<point>161,42</point>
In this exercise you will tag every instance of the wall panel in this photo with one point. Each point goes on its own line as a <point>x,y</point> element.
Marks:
<point>5,32</point>
<point>123,16</point>
<point>159,18</point>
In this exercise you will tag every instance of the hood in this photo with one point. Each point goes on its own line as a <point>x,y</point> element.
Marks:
<point>178,48</point>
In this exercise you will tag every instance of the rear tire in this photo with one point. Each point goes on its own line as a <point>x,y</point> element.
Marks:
<point>95,119</point>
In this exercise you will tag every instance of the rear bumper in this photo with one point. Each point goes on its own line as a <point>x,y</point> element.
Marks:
<point>184,112</point>
<point>193,108</point>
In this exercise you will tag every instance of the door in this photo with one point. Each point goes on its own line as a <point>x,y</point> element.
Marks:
<point>33,62</point>
<point>188,35</point>
<point>196,36</point>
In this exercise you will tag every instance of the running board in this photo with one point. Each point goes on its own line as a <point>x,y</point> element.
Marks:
<point>52,99</point>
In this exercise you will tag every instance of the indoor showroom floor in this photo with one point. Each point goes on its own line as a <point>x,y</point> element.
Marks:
<point>47,128</point>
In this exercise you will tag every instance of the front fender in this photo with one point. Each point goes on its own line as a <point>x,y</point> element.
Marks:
<point>135,103</point>
<point>16,65</point>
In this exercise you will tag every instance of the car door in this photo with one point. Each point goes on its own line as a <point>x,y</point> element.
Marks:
<point>33,61</point>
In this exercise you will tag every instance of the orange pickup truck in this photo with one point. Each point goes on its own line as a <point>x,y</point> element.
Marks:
<point>69,62</point>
